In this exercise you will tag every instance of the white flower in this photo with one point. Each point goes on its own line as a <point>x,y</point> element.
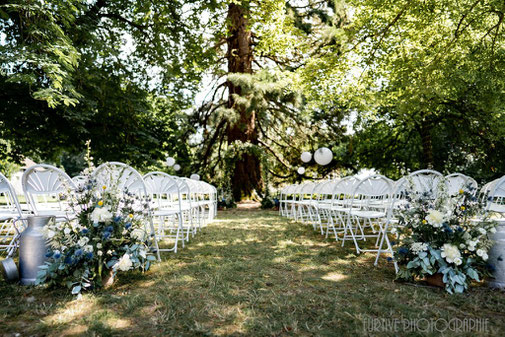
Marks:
<point>482,230</point>
<point>99,253</point>
<point>466,236</point>
<point>393,231</point>
<point>63,248</point>
<point>143,253</point>
<point>101,214</point>
<point>138,234</point>
<point>124,263</point>
<point>124,232</point>
<point>67,230</point>
<point>458,261</point>
<point>492,230</point>
<point>481,252</point>
<point>88,248</point>
<point>418,247</point>
<point>450,252</point>
<point>435,218</point>
<point>50,234</point>
<point>485,257</point>
<point>109,252</point>
<point>462,246</point>
<point>99,245</point>
<point>83,241</point>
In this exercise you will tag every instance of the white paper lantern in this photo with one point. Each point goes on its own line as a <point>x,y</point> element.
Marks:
<point>323,156</point>
<point>195,176</point>
<point>170,161</point>
<point>306,157</point>
<point>301,170</point>
<point>177,167</point>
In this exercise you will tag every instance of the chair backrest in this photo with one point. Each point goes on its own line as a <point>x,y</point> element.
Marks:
<point>458,181</point>
<point>424,181</point>
<point>343,191</point>
<point>43,185</point>
<point>496,197</point>
<point>162,188</point>
<point>374,191</point>
<point>121,176</point>
<point>8,193</point>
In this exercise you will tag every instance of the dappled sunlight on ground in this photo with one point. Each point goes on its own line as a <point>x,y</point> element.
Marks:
<point>250,273</point>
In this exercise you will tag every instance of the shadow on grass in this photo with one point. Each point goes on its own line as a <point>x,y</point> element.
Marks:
<point>253,273</point>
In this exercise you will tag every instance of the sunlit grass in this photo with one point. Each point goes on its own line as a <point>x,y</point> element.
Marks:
<point>250,273</point>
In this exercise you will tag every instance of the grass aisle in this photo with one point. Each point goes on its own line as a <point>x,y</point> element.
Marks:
<point>251,273</point>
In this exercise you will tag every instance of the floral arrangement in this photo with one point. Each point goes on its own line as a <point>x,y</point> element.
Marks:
<point>438,235</point>
<point>107,236</point>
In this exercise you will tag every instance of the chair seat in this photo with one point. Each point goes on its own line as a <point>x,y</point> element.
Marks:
<point>165,212</point>
<point>7,215</point>
<point>369,214</point>
<point>56,213</point>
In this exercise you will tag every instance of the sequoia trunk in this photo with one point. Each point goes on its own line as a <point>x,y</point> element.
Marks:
<point>247,172</point>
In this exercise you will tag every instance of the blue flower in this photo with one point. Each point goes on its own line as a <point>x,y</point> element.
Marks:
<point>84,231</point>
<point>49,253</point>
<point>393,243</point>
<point>459,229</point>
<point>89,255</point>
<point>403,251</point>
<point>78,252</point>
<point>68,260</point>
<point>128,225</point>
<point>109,228</point>
<point>389,258</point>
<point>106,235</point>
<point>117,219</point>
<point>57,255</point>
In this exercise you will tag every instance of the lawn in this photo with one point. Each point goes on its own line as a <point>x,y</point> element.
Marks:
<point>250,273</point>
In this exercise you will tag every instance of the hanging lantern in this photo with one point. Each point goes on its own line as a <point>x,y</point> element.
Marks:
<point>323,156</point>
<point>170,161</point>
<point>301,170</point>
<point>306,157</point>
<point>194,176</point>
<point>177,167</point>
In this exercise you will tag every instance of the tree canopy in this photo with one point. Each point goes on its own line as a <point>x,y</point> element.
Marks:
<point>236,89</point>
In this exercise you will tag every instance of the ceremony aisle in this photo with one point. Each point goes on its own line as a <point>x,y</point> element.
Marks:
<point>250,273</point>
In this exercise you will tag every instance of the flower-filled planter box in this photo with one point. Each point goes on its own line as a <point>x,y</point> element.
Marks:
<point>440,235</point>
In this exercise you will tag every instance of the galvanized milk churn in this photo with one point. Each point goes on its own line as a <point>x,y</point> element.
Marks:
<point>497,257</point>
<point>32,249</point>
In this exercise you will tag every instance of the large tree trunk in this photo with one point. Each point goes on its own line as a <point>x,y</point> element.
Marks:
<point>425,132</point>
<point>247,172</point>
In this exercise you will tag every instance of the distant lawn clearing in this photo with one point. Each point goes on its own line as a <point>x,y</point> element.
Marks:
<point>250,273</point>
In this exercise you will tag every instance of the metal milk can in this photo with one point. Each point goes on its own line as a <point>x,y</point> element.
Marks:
<point>32,249</point>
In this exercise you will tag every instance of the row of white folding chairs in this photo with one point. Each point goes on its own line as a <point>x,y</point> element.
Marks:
<point>357,209</point>
<point>311,192</point>
<point>188,202</point>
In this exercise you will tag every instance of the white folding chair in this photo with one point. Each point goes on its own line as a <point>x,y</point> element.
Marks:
<point>339,209</point>
<point>166,206</point>
<point>495,205</point>
<point>419,182</point>
<point>45,187</point>
<point>125,179</point>
<point>11,223</point>
<point>367,208</point>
